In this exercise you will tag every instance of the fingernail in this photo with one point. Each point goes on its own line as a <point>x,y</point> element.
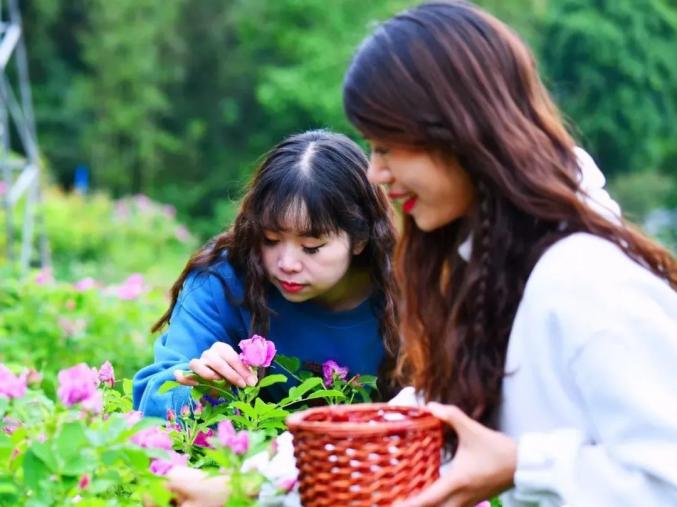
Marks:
<point>251,380</point>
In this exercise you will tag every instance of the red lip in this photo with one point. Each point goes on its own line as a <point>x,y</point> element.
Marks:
<point>409,204</point>
<point>396,195</point>
<point>292,287</point>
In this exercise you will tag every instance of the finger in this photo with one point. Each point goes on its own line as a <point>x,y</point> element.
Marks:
<point>202,370</point>
<point>453,416</point>
<point>433,495</point>
<point>183,379</point>
<point>219,365</point>
<point>227,352</point>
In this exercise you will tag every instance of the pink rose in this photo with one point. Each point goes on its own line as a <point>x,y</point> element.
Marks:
<point>257,351</point>
<point>12,386</point>
<point>85,284</point>
<point>133,417</point>
<point>44,276</point>
<point>107,374</point>
<point>84,481</point>
<point>202,438</point>
<point>153,438</point>
<point>331,370</point>
<point>238,442</point>
<point>78,384</point>
<point>162,466</point>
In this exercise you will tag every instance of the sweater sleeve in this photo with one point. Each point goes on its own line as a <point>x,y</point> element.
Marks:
<point>203,315</point>
<point>625,374</point>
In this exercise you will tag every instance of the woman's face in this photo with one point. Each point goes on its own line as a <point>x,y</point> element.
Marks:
<point>305,267</point>
<point>433,189</point>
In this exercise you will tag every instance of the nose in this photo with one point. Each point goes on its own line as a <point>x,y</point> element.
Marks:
<point>378,171</point>
<point>288,261</point>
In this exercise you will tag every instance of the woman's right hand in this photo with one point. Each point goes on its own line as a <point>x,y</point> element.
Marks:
<point>220,361</point>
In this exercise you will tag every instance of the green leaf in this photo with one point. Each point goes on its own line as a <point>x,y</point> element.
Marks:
<point>35,470</point>
<point>272,379</point>
<point>297,392</point>
<point>43,452</point>
<point>70,440</point>
<point>245,408</point>
<point>4,403</point>
<point>127,387</point>
<point>326,393</point>
<point>289,363</point>
<point>168,386</point>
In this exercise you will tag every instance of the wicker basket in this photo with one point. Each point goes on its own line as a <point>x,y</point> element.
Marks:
<point>364,455</point>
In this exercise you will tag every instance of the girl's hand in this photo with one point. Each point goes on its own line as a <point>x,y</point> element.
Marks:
<point>220,361</point>
<point>194,488</point>
<point>483,466</point>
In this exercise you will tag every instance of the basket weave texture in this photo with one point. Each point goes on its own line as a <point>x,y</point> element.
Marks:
<point>364,455</point>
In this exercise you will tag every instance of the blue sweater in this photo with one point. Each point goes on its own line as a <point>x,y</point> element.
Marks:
<point>204,314</point>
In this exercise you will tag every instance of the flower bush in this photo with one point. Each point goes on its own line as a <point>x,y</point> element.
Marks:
<point>48,323</point>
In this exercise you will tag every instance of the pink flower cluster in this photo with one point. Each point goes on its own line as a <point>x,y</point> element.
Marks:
<point>153,438</point>
<point>331,370</point>
<point>11,385</point>
<point>257,351</point>
<point>236,441</point>
<point>133,287</point>
<point>79,385</point>
<point>161,466</point>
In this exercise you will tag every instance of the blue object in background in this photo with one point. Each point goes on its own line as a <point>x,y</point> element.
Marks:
<point>81,181</point>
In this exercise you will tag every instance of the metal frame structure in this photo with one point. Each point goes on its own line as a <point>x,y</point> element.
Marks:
<point>19,161</point>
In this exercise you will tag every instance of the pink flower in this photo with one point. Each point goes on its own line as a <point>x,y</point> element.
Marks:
<point>133,417</point>
<point>93,404</point>
<point>225,432</point>
<point>72,327</point>
<point>202,438</point>
<point>132,288</point>
<point>238,442</point>
<point>257,351</point>
<point>287,484</point>
<point>153,438</point>
<point>86,284</point>
<point>331,370</point>
<point>171,415</point>
<point>10,425</point>
<point>486,503</point>
<point>162,466</point>
<point>33,376</point>
<point>185,411</point>
<point>78,384</point>
<point>3,187</point>
<point>107,374</point>
<point>12,386</point>
<point>84,481</point>
<point>182,234</point>
<point>44,276</point>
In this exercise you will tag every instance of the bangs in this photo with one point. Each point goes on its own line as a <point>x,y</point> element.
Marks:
<point>298,206</point>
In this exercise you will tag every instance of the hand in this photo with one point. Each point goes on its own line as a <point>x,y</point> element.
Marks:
<point>220,361</point>
<point>483,466</point>
<point>194,488</point>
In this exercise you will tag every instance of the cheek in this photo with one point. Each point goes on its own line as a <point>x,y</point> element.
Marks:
<point>268,258</point>
<point>332,263</point>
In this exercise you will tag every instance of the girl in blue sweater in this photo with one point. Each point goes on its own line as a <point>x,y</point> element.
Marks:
<point>307,264</point>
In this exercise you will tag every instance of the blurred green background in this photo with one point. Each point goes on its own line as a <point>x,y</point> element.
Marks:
<point>176,100</point>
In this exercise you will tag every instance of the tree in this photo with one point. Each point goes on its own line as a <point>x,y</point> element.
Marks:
<point>613,69</point>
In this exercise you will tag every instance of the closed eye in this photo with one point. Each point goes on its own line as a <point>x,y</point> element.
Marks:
<point>310,250</point>
<point>269,242</point>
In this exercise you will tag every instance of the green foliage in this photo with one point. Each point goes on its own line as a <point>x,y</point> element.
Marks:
<point>54,324</point>
<point>640,192</point>
<point>105,239</point>
<point>613,69</point>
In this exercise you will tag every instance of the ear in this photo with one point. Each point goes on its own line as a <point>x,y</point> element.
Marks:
<point>359,247</point>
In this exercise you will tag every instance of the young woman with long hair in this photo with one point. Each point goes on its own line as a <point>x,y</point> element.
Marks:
<point>307,263</point>
<point>545,325</point>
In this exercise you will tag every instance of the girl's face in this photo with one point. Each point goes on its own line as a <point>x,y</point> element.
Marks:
<point>433,189</point>
<point>306,267</point>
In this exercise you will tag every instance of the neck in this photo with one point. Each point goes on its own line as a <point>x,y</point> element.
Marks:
<point>351,291</point>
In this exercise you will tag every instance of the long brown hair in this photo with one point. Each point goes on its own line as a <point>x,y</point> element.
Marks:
<point>326,173</point>
<point>446,76</point>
